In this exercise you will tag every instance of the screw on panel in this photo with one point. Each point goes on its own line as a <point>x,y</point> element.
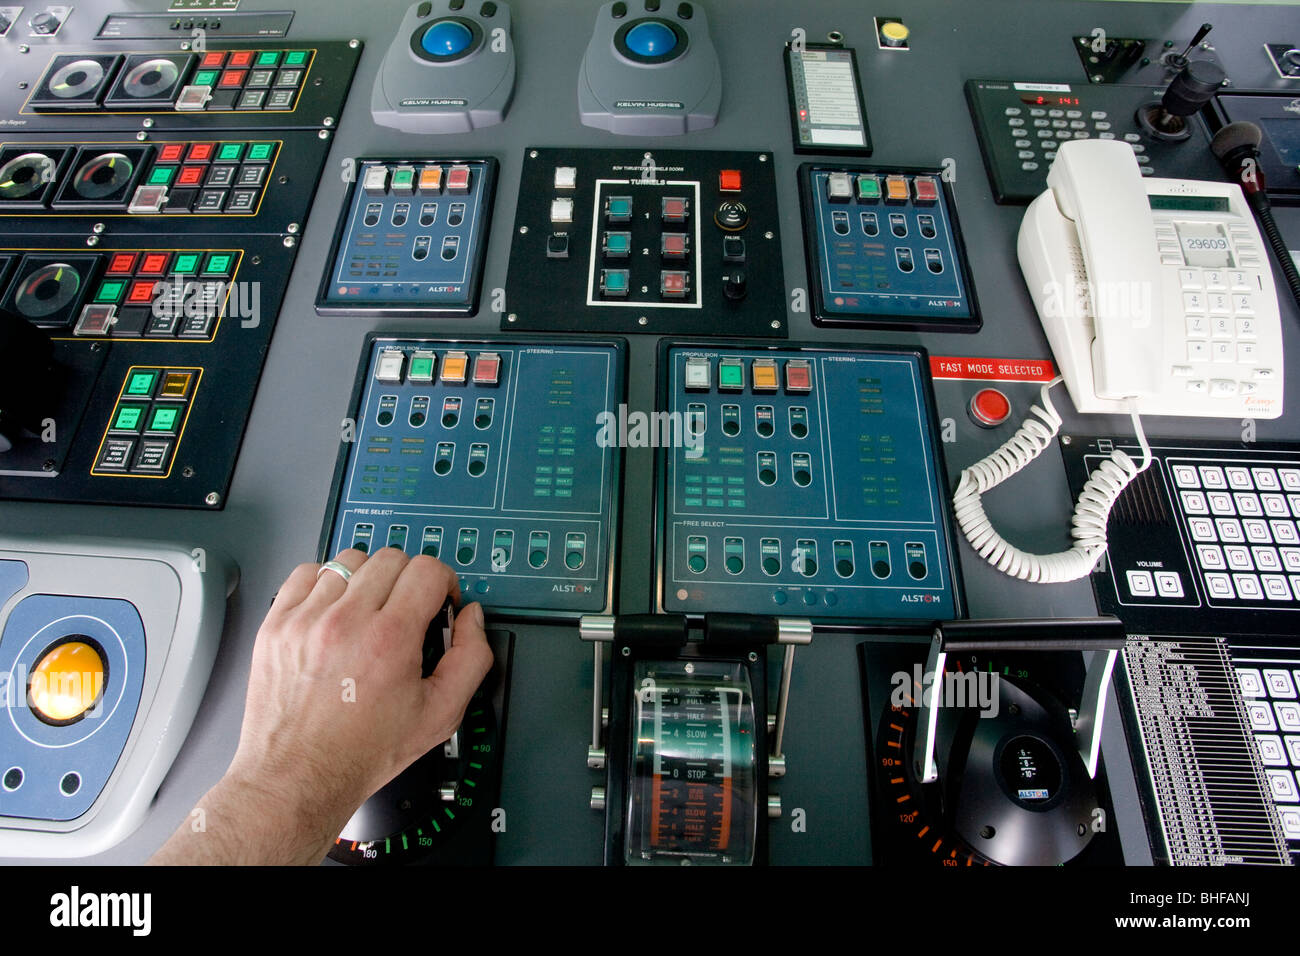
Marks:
<point>24,48</point>
<point>353,44</point>
<point>141,136</point>
<point>323,134</point>
<point>187,471</point>
<point>319,81</point>
<point>523,230</point>
<point>643,321</point>
<point>532,154</point>
<point>22,85</point>
<point>767,235</point>
<point>626,652</point>
<point>147,123</point>
<point>762,157</point>
<point>256,260</point>
<point>92,240</point>
<point>512,317</point>
<point>292,228</point>
<point>47,465</point>
<point>97,228</point>
<point>1096,78</point>
<point>290,242</point>
<point>1066,439</point>
<point>212,498</point>
<point>327,121</point>
<point>776,323</point>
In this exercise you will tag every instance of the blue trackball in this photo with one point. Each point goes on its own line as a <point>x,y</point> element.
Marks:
<point>446,39</point>
<point>650,39</point>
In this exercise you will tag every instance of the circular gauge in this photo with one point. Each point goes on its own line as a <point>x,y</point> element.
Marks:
<point>428,802</point>
<point>151,78</point>
<point>1012,790</point>
<point>25,175</point>
<point>692,787</point>
<point>76,78</point>
<point>48,290</point>
<point>103,176</point>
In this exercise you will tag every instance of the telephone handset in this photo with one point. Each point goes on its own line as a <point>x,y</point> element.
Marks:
<point>1157,291</point>
<point>1157,299</point>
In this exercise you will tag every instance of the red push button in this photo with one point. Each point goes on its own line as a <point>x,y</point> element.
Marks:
<point>200,152</point>
<point>232,79</point>
<point>155,264</point>
<point>487,368</point>
<point>214,60</point>
<point>122,264</point>
<point>729,180</point>
<point>241,58</point>
<point>458,179</point>
<point>141,293</point>
<point>798,376</point>
<point>989,408</point>
<point>171,153</point>
<point>190,176</point>
<point>926,189</point>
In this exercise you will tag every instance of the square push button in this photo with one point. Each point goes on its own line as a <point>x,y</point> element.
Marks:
<point>110,292</point>
<point>155,264</point>
<point>674,245</point>
<point>141,293</point>
<point>191,176</point>
<point>566,177</point>
<point>431,180</point>
<point>176,386</point>
<point>203,78</point>
<point>487,368</point>
<point>164,420</point>
<point>214,60</point>
<point>618,208</point>
<point>421,370</point>
<point>729,180</point>
<point>115,455</point>
<point>121,264</point>
<point>765,379</point>
<point>896,189</point>
<point>153,457</point>
<point>171,153</point>
<point>838,187</point>
<point>868,188</point>
<point>454,367</point>
<point>161,175</point>
<point>675,208</point>
<point>187,263</point>
<point>674,285</point>
<point>218,264</point>
<point>615,282</point>
<point>128,419</point>
<point>731,375</point>
<point>698,376</point>
<point>458,179</point>
<point>230,153</point>
<point>925,189</point>
<point>232,79</point>
<point>241,58</point>
<point>389,368</point>
<point>617,245</point>
<point>201,153</point>
<point>260,152</point>
<point>268,58</point>
<point>140,384</point>
<point>798,376</point>
<point>295,58</point>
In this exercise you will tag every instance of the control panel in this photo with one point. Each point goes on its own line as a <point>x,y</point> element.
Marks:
<point>1020,124</point>
<point>805,478</point>
<point>1278,118</point>
<point>1205,541</point>
<point>647,241</point>
<point>884,249</point>
<point>499,457</point>
<point>411,239</point>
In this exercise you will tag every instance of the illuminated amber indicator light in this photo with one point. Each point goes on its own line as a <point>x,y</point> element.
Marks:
<point>765,379</point>
<point>175,385</point>
<point>454,365</point>
<point>66,682</point>
<point>431,180</point>
<point>896,188</point>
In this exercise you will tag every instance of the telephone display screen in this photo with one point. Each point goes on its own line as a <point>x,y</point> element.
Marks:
<point>1205,245</point>
<point>1190,203</point>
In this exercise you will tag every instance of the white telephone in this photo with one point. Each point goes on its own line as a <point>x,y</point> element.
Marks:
<point>1156,290</point>
<point>1157,298</point>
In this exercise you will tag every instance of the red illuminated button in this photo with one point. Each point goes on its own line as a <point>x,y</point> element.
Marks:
<point>926,189</point>
<point>213,60</point>
<point>674,209</point>
<point>200,152</point>
<point>729,180</point>
<point>798,376</point>
<point>141,293</point>
<point>241,58</point>
<point>171,153</point>
<point>487,368</point>
<point>458,179</point>
<point>190,176</point>
<point>232,79</point>
<point>673,245</point>
<point>155,264</point>
<point>672,285</point>
<point>989,408</point>
<point>122,264</point>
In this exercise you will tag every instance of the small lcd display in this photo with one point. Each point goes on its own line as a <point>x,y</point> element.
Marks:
<point>1190,203</point>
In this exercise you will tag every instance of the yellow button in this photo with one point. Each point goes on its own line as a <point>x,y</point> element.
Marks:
<point>66,682</point>
<point>454,365</point>
<point>894,32</point>
<point>896,188</point>
<point>764,377</point>
<point>176,385</point>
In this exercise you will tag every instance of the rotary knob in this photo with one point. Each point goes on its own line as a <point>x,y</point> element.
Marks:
<point>45,24</point>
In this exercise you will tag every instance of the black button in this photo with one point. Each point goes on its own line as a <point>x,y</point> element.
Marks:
<point>424,9</point>
<point>881,569</point>
<point>489,9</point>
<point>765,429</point>
<point>651,6</point>
<point>456,5</point>
<point>13,778</point>
<point>557,246</point>
<point>916,569</point>
<point>685,11</point>
<point>619,10</point>
<point>70,783</point>
<point>214,25</point>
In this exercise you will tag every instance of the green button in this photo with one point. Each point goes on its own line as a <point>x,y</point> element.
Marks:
<point>731,376</point>
<point>421,368</point>
<point>868,187</point>
<point>186,264</point>
<point>403,178</point>
<point>162,175</point>
<point>620,207</point>
<point>230,152</point>
<point>260,152</point>
<point>615,280</point>
<point>110,291</point>
<point>164,420</point>
<point>205,78</point>
<point>295,58</point>
<point>618,242</point>
<point>218,264</point>
<point>268,58</point>
<point>128,418</point>
<point>141,383</point>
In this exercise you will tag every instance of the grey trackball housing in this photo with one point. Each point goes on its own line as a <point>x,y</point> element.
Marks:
<point>455,89</point>
<point>640,94</point>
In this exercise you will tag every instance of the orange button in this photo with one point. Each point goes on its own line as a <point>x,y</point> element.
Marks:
<point>729,180</point>
<point>896,188</point>
<point>764,376</point>
<point>66,682</point>
<point>454,365</point>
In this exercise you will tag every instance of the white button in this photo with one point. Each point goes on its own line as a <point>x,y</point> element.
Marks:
<point>1239,478</point>
<point>1194,503</point>
<point>1182,371</point>
<point>566,177</point>
<point>1221,503</point>
<point>1288,715</point>
<point>1263,374</point>
<point>1229,529</point>
<point>1169,585</point>
<point>1105,135</point>
<point>1223,352</point>
<point>1267,559</point>
<point>1248,504</point>
<point>1238,558</point>
<point>1276,588</point>
<point>1012,111</point>
<point>1248,588</point>
<point>1283,786</point>
<point>1185,477</point>
<point>1131,137</point>
<point>1202,529</point>
<point>1271,751</point>
<point>1246,353</point>
<point>1210,556</point>
<point>1274,505</point>
<point>1222,387</point>
<point>1252,682</point>
<point>1170,259</point>
<point>1261,715</point>
<point>1290,478</point>
<point>1140,584</point>
<point>1295,585</point>
<point>1279,682</point>
<point>1243,304</point>
<point>389,367</point>
<point>1245,328</point>
<point>1257,531</point>
<point>1198,351</point>
<point>1290,556</point>
<point>1098,114</point>
<point>1214,279</point>
<point>1294,502</point>
<point>1265,479</point>
<point>1193,301</point>
<point>1219,585</point>
<point>1293,750</point>
<point>1190,278</point>
<point>1246,388</point>
<point>1197,327</point>
<point>1239,281</point>
<point>1290,817</point>
<point>561,210</point>
<point>1284,532</point>
<point>1212,477</point>
<point>1221,326</point>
